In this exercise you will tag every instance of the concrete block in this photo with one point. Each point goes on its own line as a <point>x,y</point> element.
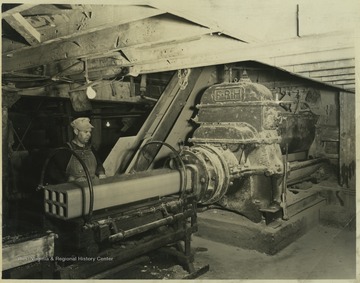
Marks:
<point>233,229</point>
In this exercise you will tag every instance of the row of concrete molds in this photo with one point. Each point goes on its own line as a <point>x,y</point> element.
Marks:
<point>71,200</point>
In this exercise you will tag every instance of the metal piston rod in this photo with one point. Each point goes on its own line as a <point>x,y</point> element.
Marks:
<point>134,231</point>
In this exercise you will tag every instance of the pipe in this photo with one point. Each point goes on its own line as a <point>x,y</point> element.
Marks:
<point>137,230</point>
<point>302,171</point>
<point>144,211</point>
<point>302,164</point>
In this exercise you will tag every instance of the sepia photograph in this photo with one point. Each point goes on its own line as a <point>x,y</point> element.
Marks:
<point>169,140</point>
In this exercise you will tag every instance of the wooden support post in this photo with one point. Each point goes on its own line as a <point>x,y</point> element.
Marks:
<point>167,122</point>
<point>347,140</point>
<point>8,100</point>
<point>183,126</point>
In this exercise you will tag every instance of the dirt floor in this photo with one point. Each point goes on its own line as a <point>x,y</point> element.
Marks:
<point>325,252</point>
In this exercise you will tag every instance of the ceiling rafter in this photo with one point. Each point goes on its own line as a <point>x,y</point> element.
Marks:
<point>338,78</point>
<point>24,28</point>
<point>177,49</point>
<point>101,19</point>
<point>155,40</point>
<point>332,72</point>
<point>48,9</point>
<point>115,38</point>
<point>319,66</point>
<point>266,52</point>
<point>350,86</point>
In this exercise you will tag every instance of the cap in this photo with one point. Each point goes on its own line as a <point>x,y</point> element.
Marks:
<point>82,124</point>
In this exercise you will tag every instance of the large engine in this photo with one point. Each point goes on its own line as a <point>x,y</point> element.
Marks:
<point>241,148</point>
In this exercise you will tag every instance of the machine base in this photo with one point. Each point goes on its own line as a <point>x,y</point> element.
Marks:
<point>236,230</point>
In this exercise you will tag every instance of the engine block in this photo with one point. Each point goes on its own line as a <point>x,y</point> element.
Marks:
<point>240,144</point>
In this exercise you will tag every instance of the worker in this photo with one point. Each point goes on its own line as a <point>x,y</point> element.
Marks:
<point>68,166</point>
<point>80,144</point>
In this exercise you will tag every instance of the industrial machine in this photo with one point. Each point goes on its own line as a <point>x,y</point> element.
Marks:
<point>242,156</point>
<point>242,148</point>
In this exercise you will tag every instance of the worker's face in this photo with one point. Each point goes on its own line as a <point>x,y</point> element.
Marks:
<point>83,136</point>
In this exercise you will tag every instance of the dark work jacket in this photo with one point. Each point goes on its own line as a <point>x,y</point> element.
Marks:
<point>65,164</point>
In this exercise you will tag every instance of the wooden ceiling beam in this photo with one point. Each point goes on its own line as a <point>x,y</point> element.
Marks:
<point>336,78</point>
<point>78,22</point>
<point>202,44</point>
<point>342,82</point>
<point>348,86</point>
<point>93,19</point>
<point>328,73</point>
<point>101,17</point>
<point>72,70</point>
<point>24,28</point>
<point>321,66</point>
<point>46,9</point>
<point>270,53</point>
<point>322,55</point>
<point>141,33</point>
<point>120,92</point>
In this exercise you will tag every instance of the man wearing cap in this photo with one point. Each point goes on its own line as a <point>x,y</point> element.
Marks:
<point>72,170</point>
<point>80,144</point>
